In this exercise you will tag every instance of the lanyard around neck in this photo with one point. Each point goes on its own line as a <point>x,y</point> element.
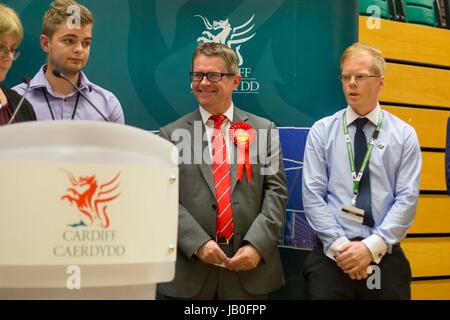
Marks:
<point>75,107</point>
<point>357,177</point>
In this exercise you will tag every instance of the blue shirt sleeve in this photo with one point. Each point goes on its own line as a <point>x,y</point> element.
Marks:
<point>315,188</point>
<point>400,217</point>
<point>116,111</point>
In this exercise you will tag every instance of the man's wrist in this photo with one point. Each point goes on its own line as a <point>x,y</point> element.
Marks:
<point>376,246</point>
<point>335,246</point>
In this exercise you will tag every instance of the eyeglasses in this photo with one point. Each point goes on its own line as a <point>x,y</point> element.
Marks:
<point>211,76</point>
<point>358,77</point>
<point>4,51</point>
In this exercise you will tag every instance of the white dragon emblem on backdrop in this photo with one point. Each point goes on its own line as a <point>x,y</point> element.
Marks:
<point>233,37</point>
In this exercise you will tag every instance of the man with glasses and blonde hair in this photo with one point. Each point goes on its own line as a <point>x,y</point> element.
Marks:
<point>11,34</point>
<point>360,190</point>
<point>229,220</point>
<point>66,39</point>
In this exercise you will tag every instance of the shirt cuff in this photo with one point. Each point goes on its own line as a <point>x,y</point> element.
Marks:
<point>377,247</point>
<point>332,252</point>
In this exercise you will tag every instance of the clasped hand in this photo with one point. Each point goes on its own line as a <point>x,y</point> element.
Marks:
<point>353,259</point>
<point>246,258</point>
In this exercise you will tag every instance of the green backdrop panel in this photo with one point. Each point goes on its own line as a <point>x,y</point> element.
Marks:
<point>142,52</point>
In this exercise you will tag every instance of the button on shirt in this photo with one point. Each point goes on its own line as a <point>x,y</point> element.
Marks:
<point>394,165</point>
<point>63,108</point>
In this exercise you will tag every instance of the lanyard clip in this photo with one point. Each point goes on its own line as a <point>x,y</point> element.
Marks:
<point>355,195</point>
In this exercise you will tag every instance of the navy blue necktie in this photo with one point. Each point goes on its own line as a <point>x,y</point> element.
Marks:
<point>364,200</point>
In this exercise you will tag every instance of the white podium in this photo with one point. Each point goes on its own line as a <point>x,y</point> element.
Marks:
<point>88,210</point>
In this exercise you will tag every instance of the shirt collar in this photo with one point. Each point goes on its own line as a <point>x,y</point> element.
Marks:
<point>205,114</point>
<point>373,116</point>
<point>40,81</point>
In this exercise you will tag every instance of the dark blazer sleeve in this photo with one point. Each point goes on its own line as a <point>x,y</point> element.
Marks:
<point>191,235</point>
<point>266,228</point>
<point>447,157</point>
<point>26,112</point>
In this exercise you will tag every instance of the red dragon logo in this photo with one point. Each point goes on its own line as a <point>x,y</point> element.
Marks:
<point>91,198</point>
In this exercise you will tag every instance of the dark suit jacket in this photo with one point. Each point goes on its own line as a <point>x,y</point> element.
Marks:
<point>26,112</point>
<point>258,207</point>
<point>447,157</point>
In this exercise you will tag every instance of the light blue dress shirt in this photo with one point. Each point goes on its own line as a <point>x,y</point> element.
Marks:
<point>63,108</point>
<point>394,165</point>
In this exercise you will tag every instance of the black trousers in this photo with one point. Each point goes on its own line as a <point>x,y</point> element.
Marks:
<point>325,280</point>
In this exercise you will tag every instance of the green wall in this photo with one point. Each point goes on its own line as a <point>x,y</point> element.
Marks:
<point>142,52</point>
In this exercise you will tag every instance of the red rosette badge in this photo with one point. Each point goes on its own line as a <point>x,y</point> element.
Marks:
<point>243,135</point>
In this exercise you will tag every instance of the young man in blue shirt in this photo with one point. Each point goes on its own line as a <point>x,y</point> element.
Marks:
<point>66,38</point>
<point>360,189</point>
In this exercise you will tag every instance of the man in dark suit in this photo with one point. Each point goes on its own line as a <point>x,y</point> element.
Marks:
<point>447,157</point>
<point>230,211</point>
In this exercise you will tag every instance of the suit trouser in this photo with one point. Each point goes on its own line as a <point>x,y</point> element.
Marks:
<point>325,280</point>
<point>222,284</point>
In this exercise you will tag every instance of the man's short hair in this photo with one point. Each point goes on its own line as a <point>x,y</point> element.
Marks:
<point>212,49</point>
<point>59,11</point>
<point>10,23</point>
<point>378,61</point>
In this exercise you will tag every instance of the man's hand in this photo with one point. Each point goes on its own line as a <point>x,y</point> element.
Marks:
<point>354,258</point>
<point>211,253</point>
<point>246,258</point>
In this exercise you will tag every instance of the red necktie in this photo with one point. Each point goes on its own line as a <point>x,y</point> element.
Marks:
<point>222,180</point>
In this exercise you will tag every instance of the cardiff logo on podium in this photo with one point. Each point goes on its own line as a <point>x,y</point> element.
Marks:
<point>91,199</point>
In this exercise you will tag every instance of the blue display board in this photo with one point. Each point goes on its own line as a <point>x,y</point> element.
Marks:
<point>296,232</point>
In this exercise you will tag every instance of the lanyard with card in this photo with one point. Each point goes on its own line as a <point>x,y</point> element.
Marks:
<point>351,211</point>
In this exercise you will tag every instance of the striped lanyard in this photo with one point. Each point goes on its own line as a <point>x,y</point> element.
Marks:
<point>357,177</point>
